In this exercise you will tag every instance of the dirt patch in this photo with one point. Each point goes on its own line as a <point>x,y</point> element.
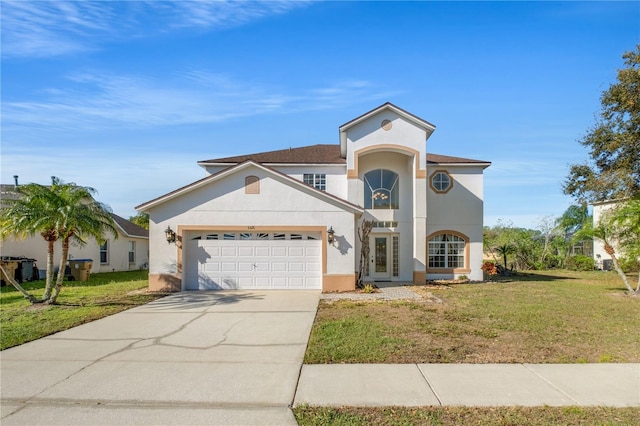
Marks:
<point>37,307</point>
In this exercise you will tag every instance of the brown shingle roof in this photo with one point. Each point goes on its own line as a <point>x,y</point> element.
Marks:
<point>130,228</point>
<point>319,154</point>
<point>315,154</point>
<point>436,158</point>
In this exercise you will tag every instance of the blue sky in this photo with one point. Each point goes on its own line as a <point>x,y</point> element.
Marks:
<point>127,96</point>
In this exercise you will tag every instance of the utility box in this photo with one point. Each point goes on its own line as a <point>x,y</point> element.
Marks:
<point>81,269</point>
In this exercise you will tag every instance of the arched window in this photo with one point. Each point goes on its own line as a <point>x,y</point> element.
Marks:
<point>381,190</point>
<point>447,251</point>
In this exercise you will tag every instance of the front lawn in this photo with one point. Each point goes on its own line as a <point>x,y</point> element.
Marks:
<point>543,416</point>
<point>78,303</point>
<point>542,317</point>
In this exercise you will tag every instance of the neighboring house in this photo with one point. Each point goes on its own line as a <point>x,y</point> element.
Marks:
<point>129,251</point>
<point>290,218</point>
<point>603,260</point>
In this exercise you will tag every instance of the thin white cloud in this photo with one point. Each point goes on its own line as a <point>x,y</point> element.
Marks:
<point>94,101</point>
<point>223,14</point>
<point>53,28</point>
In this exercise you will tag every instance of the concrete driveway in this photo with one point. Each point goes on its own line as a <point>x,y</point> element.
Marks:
<point>229,357</point>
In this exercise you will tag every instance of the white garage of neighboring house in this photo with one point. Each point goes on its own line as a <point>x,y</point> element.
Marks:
<point>289,219</point>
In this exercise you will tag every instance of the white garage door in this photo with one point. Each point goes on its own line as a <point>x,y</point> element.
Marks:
<point>253,264</point>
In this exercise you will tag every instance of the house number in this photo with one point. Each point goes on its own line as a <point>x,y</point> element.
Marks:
<point>251,227</point>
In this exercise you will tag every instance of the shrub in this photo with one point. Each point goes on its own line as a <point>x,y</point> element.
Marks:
<point>368,288</point>
<point>629,264</point>
<point>580,262</point>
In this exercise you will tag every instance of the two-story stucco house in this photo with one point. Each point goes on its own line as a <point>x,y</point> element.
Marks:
<point>290,218</point>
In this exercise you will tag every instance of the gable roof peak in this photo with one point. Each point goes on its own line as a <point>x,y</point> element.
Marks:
<point>389,106</point>
<point>414,119</point>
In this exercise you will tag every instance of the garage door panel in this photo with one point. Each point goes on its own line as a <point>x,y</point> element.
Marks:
<point>262,282</point>
<point>229,251</point>
<point>279,267</point>
<point>250,264</point>
<point>296,251</point>
<point>296,266</point>
<point>279,251</point>
<point>245,266</point>
<point>296,282</point>
<point>229,266</point>
<point>245,251</point>
<point>263,251</point>
<point>211,267</point>
<point>312,251</point>
<point>261,267</point>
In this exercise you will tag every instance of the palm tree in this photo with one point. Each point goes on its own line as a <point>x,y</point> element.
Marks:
<point>79,216</point>
<point>504,250</point>
<point>62,211</point>
<point>27,215</point>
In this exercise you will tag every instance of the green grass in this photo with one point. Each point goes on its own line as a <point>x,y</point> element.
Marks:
<point>78,303</point>
<point>352,416</point>
<point>357,338</point>
<point>547,317</point>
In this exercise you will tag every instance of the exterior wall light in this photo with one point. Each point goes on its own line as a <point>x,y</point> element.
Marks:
<point>170,235</point>
<point>330,233</point>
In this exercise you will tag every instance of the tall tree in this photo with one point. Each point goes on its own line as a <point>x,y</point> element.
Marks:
<point>574,218</point>
<point>61,211</point>
<point>141,219</point>
<point>613,171</point>
<point>79,216</point>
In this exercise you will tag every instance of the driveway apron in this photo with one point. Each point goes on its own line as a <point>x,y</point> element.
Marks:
<point>228,357</point>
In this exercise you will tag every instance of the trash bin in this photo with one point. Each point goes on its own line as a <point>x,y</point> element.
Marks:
<point>29,270</point>
<point>81,269</point>
<point>10,265</point>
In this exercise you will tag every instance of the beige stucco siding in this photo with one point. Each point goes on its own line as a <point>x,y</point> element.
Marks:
<point>460,210</point>
<point>36,248</point>
<point>224,204</point>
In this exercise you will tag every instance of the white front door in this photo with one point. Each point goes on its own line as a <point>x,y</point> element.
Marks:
<point>380,262</point>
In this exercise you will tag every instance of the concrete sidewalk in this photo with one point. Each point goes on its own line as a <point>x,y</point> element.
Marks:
<point>615,385</point>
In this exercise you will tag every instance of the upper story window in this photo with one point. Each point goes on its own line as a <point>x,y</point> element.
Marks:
<point>317,180</point>
<point>381,190</point>
<point>441,182</point>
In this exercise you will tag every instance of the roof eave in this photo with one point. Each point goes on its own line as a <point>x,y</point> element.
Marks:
<point>484,165</point>
<point>233,169</point>
<point>231,164</point>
